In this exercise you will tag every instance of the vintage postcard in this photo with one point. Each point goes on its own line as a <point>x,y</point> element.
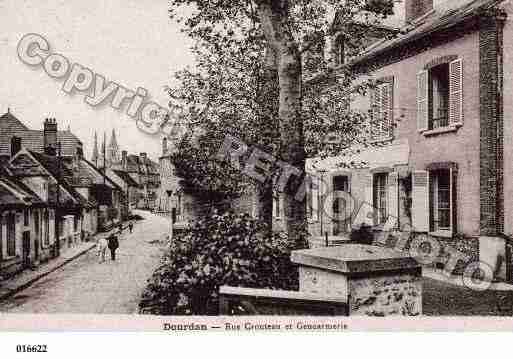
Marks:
<point>256,166</point>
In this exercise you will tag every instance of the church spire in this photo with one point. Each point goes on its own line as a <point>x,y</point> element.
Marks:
<point>113,150</point>
<point>113,141</point>
<point>96,155</point>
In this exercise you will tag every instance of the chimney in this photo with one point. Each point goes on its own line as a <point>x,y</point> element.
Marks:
<point>50,136</point>
<point>124,162</point>
<point>15,145</point>
<point>416,8</point>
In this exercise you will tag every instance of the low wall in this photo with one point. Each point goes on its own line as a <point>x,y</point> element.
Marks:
<point>467,246</point>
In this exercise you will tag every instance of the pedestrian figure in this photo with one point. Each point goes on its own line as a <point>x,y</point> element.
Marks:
<point>120,228</point>
<point>113,245</point>
<point>102,248</point>
<point>131,227</point>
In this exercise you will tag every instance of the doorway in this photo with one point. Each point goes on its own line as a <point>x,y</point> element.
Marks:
<point>341,211</point>
<point>26,249</point>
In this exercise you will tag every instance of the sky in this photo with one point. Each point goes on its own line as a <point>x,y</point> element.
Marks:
<point>131,42</point>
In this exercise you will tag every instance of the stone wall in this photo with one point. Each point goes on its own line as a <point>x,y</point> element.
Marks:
<point>467,246</point>
<point>386,296</point>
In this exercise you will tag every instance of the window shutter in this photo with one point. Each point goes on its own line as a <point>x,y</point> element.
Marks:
<point>453,176</point>
<point>387,107</point>
<point>315,198</point>
<point>422,101</point>
<point>365,211</point>
<point>393,195</point>
<point>456,92</point>
<point>369,198</point>
<point>376,114</point>
<point>420,201</point>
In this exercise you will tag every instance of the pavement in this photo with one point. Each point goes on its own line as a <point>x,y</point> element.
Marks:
<point>77,283</point>
<point>26,278</point>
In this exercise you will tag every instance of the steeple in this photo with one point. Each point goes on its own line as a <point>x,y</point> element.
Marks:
<point>113,141</point>
<point>113,150</point>
<point>96,155</point>
<point>103,155</point>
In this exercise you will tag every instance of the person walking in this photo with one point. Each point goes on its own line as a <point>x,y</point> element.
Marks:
<point>130,227</point>
<point>113,244</point>
<point>102,248</point>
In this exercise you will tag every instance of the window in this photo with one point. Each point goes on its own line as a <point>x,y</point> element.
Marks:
<point>46,224</point>
<point>433,200</point>
<point>381,101</point>
<point>441,200</point>
<point>179,204</point>
<point>37,225</point>
<point>11,235</point>
<point>26,217</point>
<point>380,197</point>
<point>277,205</point>
<point>312,198</point>
<point>75,224</point>
<point>61,228</point>
<point>439,95</point>
<point>340,208</point>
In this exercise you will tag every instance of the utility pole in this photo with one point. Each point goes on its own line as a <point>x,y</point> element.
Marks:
<point>57,209</point>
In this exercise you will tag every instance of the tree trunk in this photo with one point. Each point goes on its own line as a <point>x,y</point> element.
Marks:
<point>268,100</point>
<point>274,16</point>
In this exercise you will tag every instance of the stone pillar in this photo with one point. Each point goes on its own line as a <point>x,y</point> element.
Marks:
<point>373,281</point>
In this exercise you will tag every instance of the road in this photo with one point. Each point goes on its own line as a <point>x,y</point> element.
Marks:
<point>86,286</point>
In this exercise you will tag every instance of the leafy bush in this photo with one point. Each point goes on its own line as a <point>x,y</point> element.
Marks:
<point>228,249</point>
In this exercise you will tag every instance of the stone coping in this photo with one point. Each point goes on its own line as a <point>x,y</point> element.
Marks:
<point>276,294</point>
<point>354,258</point>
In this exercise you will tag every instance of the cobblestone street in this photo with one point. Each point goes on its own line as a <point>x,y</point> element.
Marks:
<point>89,287</point>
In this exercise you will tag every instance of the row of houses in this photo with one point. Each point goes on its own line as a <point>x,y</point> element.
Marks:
<point>51,197</point>
<point>129,168</point>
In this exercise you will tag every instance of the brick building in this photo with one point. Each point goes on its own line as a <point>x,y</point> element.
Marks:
<point>443,149</point>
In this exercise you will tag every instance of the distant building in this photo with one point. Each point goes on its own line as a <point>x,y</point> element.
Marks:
<point>139,168</point>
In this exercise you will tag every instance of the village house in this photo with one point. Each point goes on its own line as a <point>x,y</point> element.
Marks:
<point>96,198</point>
<point>26,225</point>
<point>442,146</point>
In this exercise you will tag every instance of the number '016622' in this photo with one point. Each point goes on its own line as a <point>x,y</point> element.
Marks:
<point>31,349</point>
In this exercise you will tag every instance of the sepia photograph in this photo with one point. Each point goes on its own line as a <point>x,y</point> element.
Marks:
<point>255,166</point>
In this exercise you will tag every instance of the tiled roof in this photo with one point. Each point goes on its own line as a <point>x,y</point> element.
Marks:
<point>32,139</point>
<point>135,164</point>
<point>90,170</point>
<point>14,194</point>
<point>51,164</point>
<point>126,178</point>
<point>443,17</point>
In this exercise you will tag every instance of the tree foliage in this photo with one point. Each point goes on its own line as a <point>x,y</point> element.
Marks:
<point>264,73</point>
<point>229,249</point>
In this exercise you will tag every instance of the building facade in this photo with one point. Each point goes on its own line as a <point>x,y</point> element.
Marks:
<point>442,147</point>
